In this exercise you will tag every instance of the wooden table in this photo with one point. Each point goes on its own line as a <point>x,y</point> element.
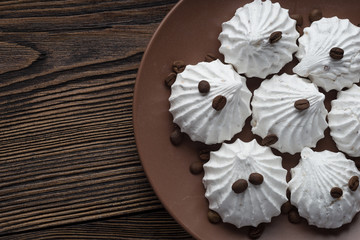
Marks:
<point>69,167</point>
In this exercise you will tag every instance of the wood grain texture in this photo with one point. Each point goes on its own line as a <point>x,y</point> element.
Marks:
<point>67,150</point>
<point>149,225</point>
<point>14,57</point>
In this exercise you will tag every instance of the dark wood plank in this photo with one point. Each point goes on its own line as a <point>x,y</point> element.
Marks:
<point>148,225</point>
<point>67,147</point>
<point>14,57</point>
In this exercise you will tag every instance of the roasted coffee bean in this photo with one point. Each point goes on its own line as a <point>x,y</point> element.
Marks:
<point>336,53</point>
<point>170,79</point>
<point>176,137</point>
<point>256,232</point>
<point>336,192</point>
<point>294,216</point>
<point>178,66</point>
<point>302,104</point>
<point>269,140</point>
<point>256,178</point>
<point>286,207</point>
<point>298,18</point>
<point>315,15</point>
<point>196,167</point>
<point>353,183</point>
<point>275,37</point>
<point>219,102</point>
<point>204,155</point>
<point>239,186</point>
<point>210,57</point>
<point>213,217</point>
<point>204,86</point>
<point>357,163</point>
<point>288,194</point>
<point>300,30</point>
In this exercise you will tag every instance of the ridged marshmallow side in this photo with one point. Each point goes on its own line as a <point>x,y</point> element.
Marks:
<point>315,61</point>
<point>312,180</point>
<point>193,111</point>
<point>258,203</point>
<point>344,121</point>
<point>274,113</point>
<point>245,39</point>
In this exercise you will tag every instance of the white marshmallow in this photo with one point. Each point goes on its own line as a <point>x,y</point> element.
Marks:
<point>193,111</point>
<point>245,39</point>
<point>258,203</point>
<point>315,60</point>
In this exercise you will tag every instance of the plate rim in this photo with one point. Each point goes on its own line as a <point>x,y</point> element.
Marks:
<point>135,113</point>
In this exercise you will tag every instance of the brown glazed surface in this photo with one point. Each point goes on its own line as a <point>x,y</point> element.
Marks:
<point>188,33</point>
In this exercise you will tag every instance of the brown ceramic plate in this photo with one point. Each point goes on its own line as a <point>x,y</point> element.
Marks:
<point>188,33</point>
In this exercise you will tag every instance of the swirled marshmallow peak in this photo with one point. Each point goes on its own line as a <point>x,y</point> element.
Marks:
<point>290,108</point>
<point>260,200</point>
<point>344,121</point>
<point>314,53</point>
<point>206,117</point>
<point>324,188</point>
<point>260,39</point>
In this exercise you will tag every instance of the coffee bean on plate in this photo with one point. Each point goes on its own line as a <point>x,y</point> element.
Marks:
<point>213,216</point>
<point>286,207</point>
<point>293,216</point>
<point>256,232</point>
<point>196,167</point>
<point>176,137</point>
<point>315,15</point>
<point>298,18</point>
<point>178,66</point>
<point>210,57</point>
<point>170,79</point>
